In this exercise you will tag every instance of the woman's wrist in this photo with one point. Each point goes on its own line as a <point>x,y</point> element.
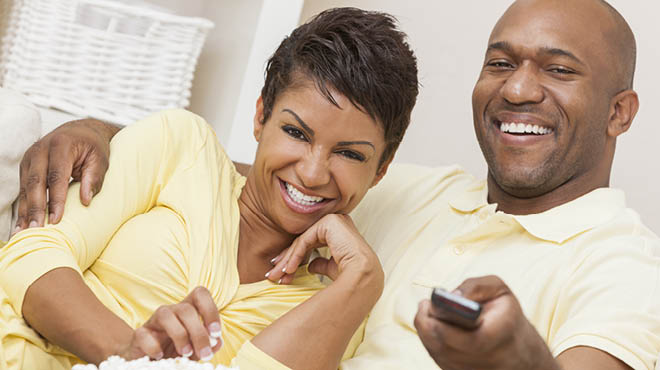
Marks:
<point>366,282</point>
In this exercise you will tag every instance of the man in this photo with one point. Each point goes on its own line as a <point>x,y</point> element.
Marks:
<point>566,275</point>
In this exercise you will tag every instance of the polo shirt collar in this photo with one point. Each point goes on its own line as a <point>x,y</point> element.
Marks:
<point>556,224</point>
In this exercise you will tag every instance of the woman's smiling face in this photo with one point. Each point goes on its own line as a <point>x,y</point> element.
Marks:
<point>314,158</point>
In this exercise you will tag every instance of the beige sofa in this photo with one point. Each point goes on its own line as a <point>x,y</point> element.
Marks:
<point>20,126</point>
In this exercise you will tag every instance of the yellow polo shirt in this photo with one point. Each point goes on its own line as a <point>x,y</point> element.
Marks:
<point>586,273</point>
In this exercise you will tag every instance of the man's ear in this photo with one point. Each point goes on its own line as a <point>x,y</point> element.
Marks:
<point>382,170</point>
<point>622,112</point>
<point>259,119</point>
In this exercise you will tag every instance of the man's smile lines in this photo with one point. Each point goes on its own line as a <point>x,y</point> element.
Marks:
<point>300,198</point>
<point>521,128</point>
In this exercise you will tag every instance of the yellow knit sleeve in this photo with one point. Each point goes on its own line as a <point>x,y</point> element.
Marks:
<point>249,357</point>
<point>143,157</point>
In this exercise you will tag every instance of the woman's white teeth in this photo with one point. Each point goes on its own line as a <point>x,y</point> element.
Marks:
<point>521,128</point>
<point>298,197</point>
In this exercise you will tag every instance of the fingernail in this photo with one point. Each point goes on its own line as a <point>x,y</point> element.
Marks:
<point>267,274</point>
<point>158,356</point>
<point>279,281</point>
<point>187,351</point>
<point>51,218</point>
<point>272,262</point>
<point>206,354</point>
<point>213,341</point>
<point>215,329</point>
<point>17,229</point>
<point>90,194</point>
<point>33,224</point>
<point>284,269</point>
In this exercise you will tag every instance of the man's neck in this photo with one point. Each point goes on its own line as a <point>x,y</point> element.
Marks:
<point>515,205</point>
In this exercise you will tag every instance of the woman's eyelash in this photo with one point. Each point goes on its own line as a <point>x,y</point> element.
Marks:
<point>294,132</point>
<point>351,155</point>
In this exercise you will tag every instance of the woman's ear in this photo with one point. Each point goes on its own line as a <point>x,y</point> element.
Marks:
<point>259,119</point>
<point>382,171</point>
<point>624,108</point>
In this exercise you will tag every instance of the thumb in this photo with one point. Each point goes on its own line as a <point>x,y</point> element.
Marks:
<point>92,173</point>
<point>482,289</point>
<point>324,266</point>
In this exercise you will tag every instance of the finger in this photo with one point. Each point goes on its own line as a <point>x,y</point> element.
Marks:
<point>278,270</point>
<point>482,289</point>
<point>59,173</point>
<point>92,174</point>
<point>147,344</point>
<point>324,266</point>
<point>196,332</point>
<point>22,220</point>
<point>35,188</point>
<point>167,320</point>
<point>201,298</point>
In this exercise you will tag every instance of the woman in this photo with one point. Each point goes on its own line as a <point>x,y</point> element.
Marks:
<point>175,215</point>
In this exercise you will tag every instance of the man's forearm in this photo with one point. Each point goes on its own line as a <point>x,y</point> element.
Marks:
<point>314,335</point>
<point>61,308</point>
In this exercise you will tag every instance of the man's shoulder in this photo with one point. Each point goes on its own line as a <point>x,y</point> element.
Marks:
<point>407,187</point>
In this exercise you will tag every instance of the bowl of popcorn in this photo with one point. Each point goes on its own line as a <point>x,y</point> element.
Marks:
<point>179,363</point>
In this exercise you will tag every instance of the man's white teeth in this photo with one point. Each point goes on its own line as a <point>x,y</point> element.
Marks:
<point>521,128</point>
<point>298,197</point>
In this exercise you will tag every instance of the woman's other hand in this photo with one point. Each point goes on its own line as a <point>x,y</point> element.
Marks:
<point>190,329</point>
<point>350,252</point>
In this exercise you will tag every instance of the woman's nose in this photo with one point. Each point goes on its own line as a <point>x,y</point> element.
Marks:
<point>313,170</point>
<point>523,86</point>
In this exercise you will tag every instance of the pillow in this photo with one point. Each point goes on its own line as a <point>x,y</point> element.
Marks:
<point>20,127</point>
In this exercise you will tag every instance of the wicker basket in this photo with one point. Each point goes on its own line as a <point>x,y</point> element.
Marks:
<point>99,58</point>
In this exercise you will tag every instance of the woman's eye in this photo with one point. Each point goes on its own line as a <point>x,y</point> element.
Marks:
<point>352,155</point>
<point>294,133</point>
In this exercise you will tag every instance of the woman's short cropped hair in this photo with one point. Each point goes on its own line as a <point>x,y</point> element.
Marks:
<point>360,54</point>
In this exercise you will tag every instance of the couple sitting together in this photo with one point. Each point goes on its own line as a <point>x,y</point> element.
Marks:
<point>183,254</point>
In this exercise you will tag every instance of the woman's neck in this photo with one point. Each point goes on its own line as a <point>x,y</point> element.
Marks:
<point>260,240</point>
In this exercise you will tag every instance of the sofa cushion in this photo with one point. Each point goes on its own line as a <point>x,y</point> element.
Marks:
<point>20,127</point>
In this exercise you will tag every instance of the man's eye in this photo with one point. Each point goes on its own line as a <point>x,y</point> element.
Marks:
<point>351,155</point>
<point>500,64</point>
<point>561,70</point>
<point>294,133</point>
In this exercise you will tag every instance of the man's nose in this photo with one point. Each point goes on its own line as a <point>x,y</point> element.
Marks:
<point>313,169</point>
<point>523,86</point>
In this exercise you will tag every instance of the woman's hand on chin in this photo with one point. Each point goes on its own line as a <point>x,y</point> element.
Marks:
<point>352,258</point>
<point>176,330</point>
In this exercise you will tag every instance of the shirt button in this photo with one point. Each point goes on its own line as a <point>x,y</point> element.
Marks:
<point>458,250</point>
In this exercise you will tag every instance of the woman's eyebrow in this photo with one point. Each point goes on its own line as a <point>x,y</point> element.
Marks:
<point>347,143</point>
<point>300,121</point>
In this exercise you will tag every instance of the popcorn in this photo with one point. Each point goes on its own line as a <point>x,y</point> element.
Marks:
<point>179,363</point>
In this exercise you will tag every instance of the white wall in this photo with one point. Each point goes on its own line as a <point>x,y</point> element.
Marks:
<point>450,38</point>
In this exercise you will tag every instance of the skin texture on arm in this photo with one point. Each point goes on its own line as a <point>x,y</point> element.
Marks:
<point>83,325</point>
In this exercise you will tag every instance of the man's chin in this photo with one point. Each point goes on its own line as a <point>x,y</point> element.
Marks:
<point>520,183</point>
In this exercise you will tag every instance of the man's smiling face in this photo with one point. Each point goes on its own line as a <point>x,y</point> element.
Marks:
<point>542,101</point>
